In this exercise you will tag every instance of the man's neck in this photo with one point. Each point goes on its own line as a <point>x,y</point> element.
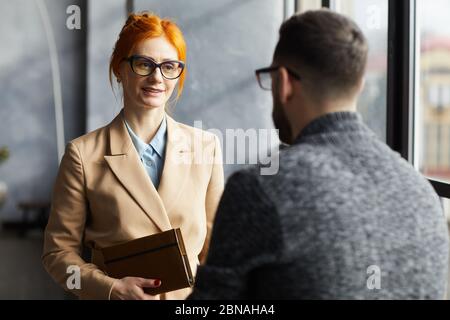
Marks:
<point>311,112</point>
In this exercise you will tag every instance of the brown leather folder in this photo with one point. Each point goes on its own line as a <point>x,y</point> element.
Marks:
<point>159,256</point>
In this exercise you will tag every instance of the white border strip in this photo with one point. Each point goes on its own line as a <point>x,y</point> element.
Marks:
<point>57,91</point>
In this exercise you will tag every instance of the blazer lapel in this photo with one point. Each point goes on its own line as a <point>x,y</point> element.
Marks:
<point>177,164</point>
<point>125,163</point>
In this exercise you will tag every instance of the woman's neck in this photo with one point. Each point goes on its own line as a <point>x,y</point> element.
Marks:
<point>144,121</point>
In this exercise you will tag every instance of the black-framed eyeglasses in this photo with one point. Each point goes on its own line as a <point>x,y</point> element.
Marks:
<point>264,76</point>
<point>144,66</point>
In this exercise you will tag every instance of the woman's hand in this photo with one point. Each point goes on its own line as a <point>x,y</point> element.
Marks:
<point>132,288</point>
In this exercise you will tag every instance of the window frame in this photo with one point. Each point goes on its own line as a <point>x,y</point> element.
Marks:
<point>403,58</point>
<point>402,81</point>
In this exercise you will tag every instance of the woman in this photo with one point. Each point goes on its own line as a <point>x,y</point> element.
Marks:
<point>142,174</point>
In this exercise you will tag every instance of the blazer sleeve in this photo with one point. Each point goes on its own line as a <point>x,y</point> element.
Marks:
<point>213,195</point>
<point>63,239</point>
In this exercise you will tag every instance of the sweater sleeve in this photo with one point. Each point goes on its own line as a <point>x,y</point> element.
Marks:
<point>246,236</point>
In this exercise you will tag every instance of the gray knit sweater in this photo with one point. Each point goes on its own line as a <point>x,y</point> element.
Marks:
<point>345,218</point>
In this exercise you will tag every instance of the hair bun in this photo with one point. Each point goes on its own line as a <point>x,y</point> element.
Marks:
<point>133,17</point>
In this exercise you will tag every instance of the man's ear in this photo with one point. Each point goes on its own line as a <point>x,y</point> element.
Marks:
<point>361,85</point>
<point>285,88</point>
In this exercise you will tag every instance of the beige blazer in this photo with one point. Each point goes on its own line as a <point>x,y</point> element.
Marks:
<point>103,196</point>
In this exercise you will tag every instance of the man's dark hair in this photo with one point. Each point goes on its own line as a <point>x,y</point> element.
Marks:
<point>328,50</point>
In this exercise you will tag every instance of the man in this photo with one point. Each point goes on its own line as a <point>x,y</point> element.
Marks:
<point>345,217</point>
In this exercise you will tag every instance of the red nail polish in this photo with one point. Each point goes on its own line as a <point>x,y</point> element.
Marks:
<point>157,282</point>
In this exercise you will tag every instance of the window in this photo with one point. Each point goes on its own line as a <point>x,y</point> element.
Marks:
<point>305,5</point>
<point>432,112</point>
<point>372,18</point>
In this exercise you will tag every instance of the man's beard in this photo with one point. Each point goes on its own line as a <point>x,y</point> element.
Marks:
<point>281,123</point>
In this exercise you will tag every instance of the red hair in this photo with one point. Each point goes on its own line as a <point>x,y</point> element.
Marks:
<point>140,27</point>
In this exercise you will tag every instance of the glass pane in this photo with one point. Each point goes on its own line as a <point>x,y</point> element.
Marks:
<point>372,18</point>
<point>305,5</point>
<point>432,112</point>
<point>446,206</point>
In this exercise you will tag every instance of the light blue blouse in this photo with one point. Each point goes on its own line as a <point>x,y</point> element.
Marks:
<point>152,155</point>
